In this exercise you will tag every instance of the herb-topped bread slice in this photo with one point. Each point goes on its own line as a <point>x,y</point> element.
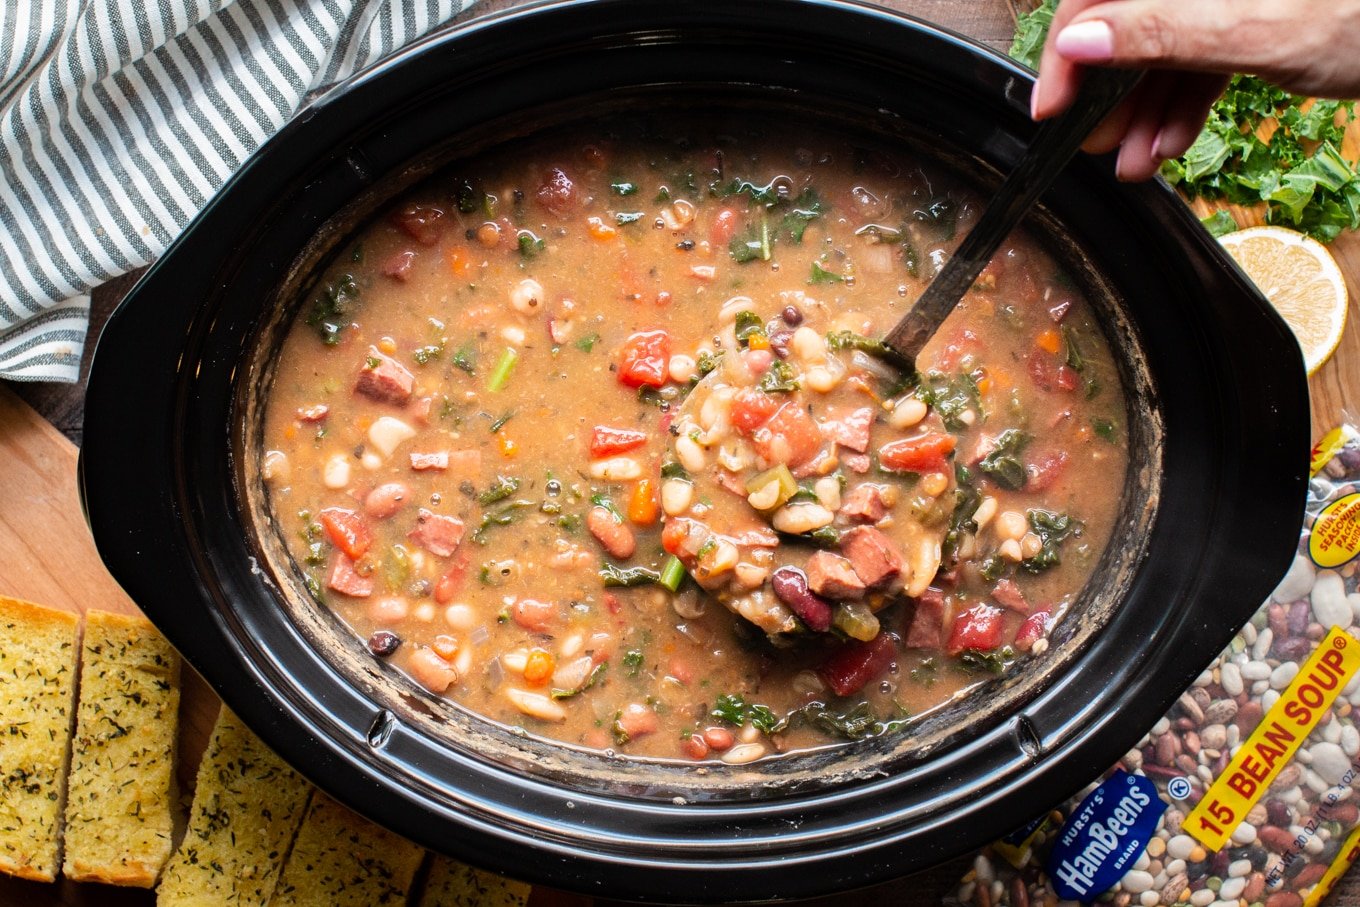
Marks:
<point>37,693</point>
<point>247,807</point>
<point>453,884</point>
<point>121,786</point>
<point>342,860</point>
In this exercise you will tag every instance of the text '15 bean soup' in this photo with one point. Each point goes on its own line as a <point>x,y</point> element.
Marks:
<point>479,451</point>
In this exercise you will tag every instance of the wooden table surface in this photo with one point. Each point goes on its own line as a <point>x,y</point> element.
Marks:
<point>989,21</point>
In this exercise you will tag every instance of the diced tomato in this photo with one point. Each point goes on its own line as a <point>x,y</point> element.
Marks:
<point>420,222</point>
<point>557,193</point>
<point>449,585</point>
<point>751,409</point>
<point>977,628</point>
<point>437,534</point>
<point>852,666</point>
<point>1035,628</point>
<point>606,441</point>
<point>1042,371</point>
<point>1068,379</point>
<point>790,436</point>
<point>612,603</point>
<point>347,531</point>
<point>1044,471</point>
<point>673,535</point>
<point>346,580</point>
<point>923,453</point>
<point>1007,593</point>
<point>645,359</point>
<point>724,227</point>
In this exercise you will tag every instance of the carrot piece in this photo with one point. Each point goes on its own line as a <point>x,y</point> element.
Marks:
<point>758,342</point>
<point>509,449</point>
<point>460,263</point>
<point>539,668</point>
<point>601,231</point>
<point>643,507</point>
<point>1049,341</point>
<point>445,646</point>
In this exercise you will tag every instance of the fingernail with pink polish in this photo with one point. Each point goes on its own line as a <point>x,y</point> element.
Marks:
<point>1086,42</point>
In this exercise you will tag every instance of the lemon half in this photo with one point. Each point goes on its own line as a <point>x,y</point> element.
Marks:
<point>1301,279</point>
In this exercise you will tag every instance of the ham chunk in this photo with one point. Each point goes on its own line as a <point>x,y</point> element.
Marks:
<point>437,534</point>
<point>867,503</point>
<point>437,460</point>
<point>346,580</point>
<point>1008,593</point>
<point>831,576</point>
<point>926,630</point>
<point>851,430</point>
<point>859,463</point>
<point>384,379</point>
<point>873,555</point>
<point>398,267</point>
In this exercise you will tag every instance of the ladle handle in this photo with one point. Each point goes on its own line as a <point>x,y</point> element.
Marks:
<point>1054,144</point>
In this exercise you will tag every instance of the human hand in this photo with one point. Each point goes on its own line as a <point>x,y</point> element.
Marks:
<point>1305,46</point>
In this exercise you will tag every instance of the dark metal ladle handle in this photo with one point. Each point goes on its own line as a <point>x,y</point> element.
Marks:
<point>1054,144</point>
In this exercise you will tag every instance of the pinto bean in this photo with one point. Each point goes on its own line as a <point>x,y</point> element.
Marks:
<point>385,500</point>
<point>615,537</point>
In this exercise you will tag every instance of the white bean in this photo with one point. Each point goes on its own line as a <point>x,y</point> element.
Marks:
<point>387,433</point>
<point>807,345</point>
<point>828,491</point>
<point>751,576</point>
<point>1011,524</point>
<point>1030,545</point>
<point>527,296</point>
<point>934,483</point>
<point>616,469</point>
<point>682,368</point>
<point>676,496</point>
<point>984,513</point>
<point>1010,550</point>
<point>691,455</point>
<point>513,334</point>
<point>424,612</point>
<point>743,753</point>
<point>908,412</point>
<point>371,461</point>
<point>734,456</point>
<point>515,661</point>
<point>335,474</point>
<point>460,617</point>
<point>536,705</point>
<point>802,517</point>
<point>823,378</point>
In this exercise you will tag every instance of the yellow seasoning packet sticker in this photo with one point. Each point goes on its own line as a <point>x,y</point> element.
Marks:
<point>1328,447</point>
<point>1335,538</point>
<point>1273,744</point>
<point>1347,855</point>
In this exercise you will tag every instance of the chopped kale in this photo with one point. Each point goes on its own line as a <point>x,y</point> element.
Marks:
<point>614,575</point>
<point>502,488</point>
<point>993,662</point>
<point>331,306</point>
<point>1003,464</point>
<point>1053,529</point>
<point>780,378</point>
<point>822,275</point>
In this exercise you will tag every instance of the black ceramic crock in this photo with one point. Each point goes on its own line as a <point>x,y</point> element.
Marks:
<point>1218,422</point>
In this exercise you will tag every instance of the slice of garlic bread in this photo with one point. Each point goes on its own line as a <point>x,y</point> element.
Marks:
<point>454,884</point>
<point>38,651</point>
<point>121,786</point>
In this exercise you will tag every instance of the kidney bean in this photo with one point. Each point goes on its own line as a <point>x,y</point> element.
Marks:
<point>613,535</point>
<point>383,643</point>
<point>791,586</point>
<point>385,500</point>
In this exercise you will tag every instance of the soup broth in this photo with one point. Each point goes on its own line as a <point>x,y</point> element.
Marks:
<point>480,455</point>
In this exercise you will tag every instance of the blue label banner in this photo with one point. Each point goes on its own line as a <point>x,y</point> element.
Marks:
<point>1104,836</point>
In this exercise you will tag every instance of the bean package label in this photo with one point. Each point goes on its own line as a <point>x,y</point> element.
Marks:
<point>1247,792</point>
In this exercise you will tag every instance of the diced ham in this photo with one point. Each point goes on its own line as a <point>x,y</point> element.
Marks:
<point>1042,371</point>
<point>419,409</point>
<point>557,193</point>
<point>451,582</point>
<point>851,430</point>
<point>437,534</point>
<point>1007,593</point>
<point>926,630</point>
<point>866,503</point>
<point>873,555</point>
<point>343,578</point>
<point>420,222</point>
<point>1044,471</point>
<point>977,628</point>
<point>858,463</point>
<point>1068,379</point>
<point>1035,628</point>
<point>731,482</point>
<point>313,413</point>
<point>437,460</point>
<point>398,265</point>
<point>384,379</point>
<point>984,446</point>
<point>831,575</point>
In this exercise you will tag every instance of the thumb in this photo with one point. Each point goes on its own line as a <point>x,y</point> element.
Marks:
<point>1206,35</point>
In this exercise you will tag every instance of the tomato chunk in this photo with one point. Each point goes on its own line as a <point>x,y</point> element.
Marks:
<point>977,628</point>
<point>790,436</point>
<point>724,227</point>
<point>1035,628</point>
<point>920,454</point>
<point>346,580</point>
<point>557,192</point>
<point>606,441</point>
<point>751,409</point>
<point>347,531</point>
<point>852,666</point>
<point>646,359</point>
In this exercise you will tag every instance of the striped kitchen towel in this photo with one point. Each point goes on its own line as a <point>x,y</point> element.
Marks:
<point>120,118</point>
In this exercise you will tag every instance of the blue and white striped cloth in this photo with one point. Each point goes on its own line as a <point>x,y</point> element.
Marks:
<point>119,119</point>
